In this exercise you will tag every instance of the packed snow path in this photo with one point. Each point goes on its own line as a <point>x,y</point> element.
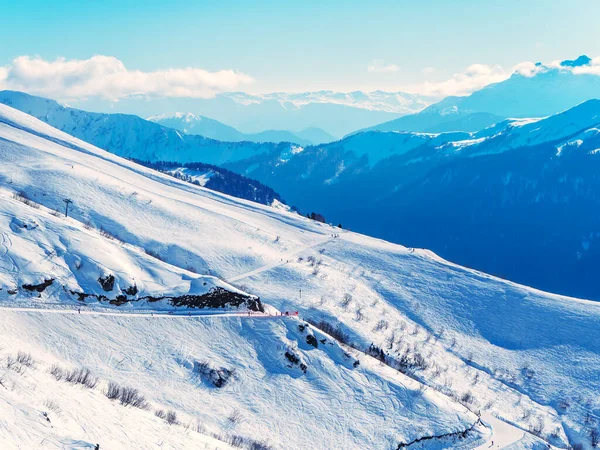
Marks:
<point>157,314</point>
<point>502,433</point>
<point>284,260</point>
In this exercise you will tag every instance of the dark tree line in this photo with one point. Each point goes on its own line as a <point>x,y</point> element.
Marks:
<point>222,180</point>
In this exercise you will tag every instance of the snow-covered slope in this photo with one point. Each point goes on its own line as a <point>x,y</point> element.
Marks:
<point>486,343</point>
<point>194,124</point>
<point>434,119</point>
<point>522,185</point>
<point>133,137</point>
<point>206,233</point>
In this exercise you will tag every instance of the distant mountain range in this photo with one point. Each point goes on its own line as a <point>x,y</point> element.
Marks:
<point>336,113</point>
<point>549,90</point>
<point>193,124</point>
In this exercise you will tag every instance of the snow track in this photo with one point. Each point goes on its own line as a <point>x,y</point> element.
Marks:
<point>502,435</point>
<point>287,258</point>
<point>158,314</point>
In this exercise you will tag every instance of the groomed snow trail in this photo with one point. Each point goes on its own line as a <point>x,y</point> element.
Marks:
<point>502,435</point>
<point>157,314</point>
<point>284,260</point>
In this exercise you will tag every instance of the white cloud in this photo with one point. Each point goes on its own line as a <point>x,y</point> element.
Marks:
<point>428,70</point>
<point>478,76</point>
<point>107,77</point>
<point>474,77</point>
<point>379,66</point>
<point>593,68</point>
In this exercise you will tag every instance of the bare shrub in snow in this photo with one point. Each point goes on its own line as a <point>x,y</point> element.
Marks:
<point>11,363</point>
<point>199,427</point>
<point>107,234</point>
<point>160,413</point>
<point>131,397</point>
<point>23,198</point>
<point>467,398</point>
<point>81,376</point>
<point>359,315</point>
<point>346,300</point>
<point>113,391</point>
<point>235,417</point>
<point>57,372</point>
<point>243,442</point>
<point>381,325</point>
<point>20,362</point>
<point>25,359</point>
<point>171,418</point>
<point>334,331</point>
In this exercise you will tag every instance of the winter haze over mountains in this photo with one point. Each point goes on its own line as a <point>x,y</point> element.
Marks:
<point>297,225</point>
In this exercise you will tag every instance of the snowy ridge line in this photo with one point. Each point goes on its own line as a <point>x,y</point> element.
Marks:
<point>429,255</point>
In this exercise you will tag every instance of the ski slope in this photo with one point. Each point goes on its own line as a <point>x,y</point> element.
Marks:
<point>487,344</point>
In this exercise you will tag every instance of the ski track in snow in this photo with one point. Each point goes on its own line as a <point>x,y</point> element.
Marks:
<point>502,433</point>
<point>284,260</point>
<point>149,313</point>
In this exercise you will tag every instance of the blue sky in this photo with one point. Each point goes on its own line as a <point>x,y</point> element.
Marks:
<point>307,44</point>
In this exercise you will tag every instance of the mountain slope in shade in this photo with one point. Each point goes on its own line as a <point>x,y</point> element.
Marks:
<point>521,187</point>
<point>440,323</point>
<point>131,136</point>
<point>436,120</point>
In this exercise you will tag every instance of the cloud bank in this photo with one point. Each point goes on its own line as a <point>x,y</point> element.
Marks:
<point>379,66</point>
<point>478,76</point>
<point>107,77</point>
